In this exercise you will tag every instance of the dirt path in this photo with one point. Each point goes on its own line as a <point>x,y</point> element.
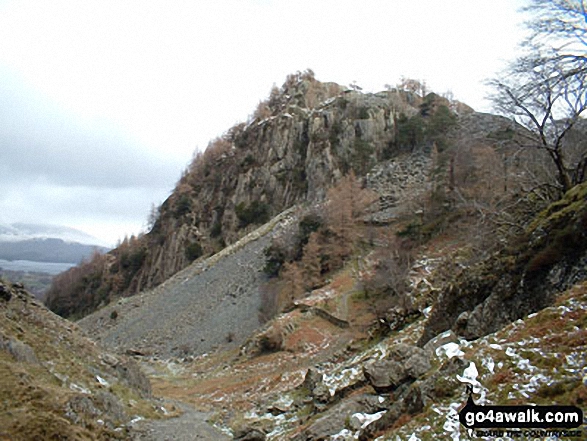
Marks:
<point>190,425</point>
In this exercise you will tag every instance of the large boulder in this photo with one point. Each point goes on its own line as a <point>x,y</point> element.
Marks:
<point>403,363</point>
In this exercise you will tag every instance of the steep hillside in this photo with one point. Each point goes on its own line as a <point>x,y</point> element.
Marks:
<point>339,369</point>
<point>57,384</point>
<point>211,303</point>
<point>300,141</point>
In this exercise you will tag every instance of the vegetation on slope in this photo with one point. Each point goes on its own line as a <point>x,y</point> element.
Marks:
<point>57,384</point>
<point>297,144</point>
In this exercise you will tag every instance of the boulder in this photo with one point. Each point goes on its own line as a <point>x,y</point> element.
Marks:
<point>130,374</point>
<point>440,340</point>
<point>312,379</point>
<point>417,365</point>
<point>385,375</point>
<point>403,363</point>
<point>335,419</point>
<point>20,351</point>
<point>249,434</point>
<point>5,293</point>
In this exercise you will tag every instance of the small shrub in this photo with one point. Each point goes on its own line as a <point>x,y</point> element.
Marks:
<point>114,315</point>
<point>256,213</point>
<point>276,255</point>
<point>271,341</point>
<point>182,206</point>
<point>216,229</point>
<point>193,251</point>
<point>248,162</point>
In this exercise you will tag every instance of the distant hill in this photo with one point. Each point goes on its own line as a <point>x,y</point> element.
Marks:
<point>23,231</point>
<point>47,250</point>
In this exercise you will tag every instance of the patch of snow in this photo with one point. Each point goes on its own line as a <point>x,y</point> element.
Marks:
<point>524,364</point>
<point>495,346</point>
<point>341,379</point>
<point>449,350</point>
<point>469,376</point>
<point>510,352</point>
<point>343,435</point>
<point>427,311</point>
<point>102,381</point>
<point>81,389</point>
<point>136,419</point>
<point>414,437</point>
<point>488,363</point>
<point>365,419</point>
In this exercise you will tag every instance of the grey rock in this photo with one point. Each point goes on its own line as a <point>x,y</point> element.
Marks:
<point>110,360</point>
<point>80,407</point>
<point>385,375</point>
<point>249,434</point>
<point>335,418</point>
<point>110,406</point>
<point>402,352</point>
<point>130,374</point>
<point>417,365</point>
<point>312,379</point>
<point>440,340</point>
<point>321,393</point>
<point>20,351</point>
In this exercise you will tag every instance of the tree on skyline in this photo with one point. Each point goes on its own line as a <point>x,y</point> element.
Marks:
<point>545,89</point>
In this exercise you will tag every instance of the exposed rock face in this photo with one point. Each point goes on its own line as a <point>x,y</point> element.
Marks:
<point>199,308</point>
<point>334,418</point>
<point>293,156</point>
<point>519,280</point>
<point>293,153</point>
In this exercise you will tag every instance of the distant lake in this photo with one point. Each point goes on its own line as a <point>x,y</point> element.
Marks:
<point>39,267</point>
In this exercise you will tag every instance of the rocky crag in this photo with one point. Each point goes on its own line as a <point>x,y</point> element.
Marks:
<point>298,144</point>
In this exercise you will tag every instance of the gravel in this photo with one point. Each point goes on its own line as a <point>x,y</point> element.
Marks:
<point>198,309</point>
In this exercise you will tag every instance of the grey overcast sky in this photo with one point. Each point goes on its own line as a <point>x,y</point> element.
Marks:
<point>103,103</point>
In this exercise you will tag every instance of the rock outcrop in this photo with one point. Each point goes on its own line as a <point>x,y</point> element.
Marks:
<point>56,383</point>
<point>521,279</point>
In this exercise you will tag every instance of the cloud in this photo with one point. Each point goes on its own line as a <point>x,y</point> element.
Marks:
<point>40,141</point>
<point>103,103</point>
<point>56,167</point>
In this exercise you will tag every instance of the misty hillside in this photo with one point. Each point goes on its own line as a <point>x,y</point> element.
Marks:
<point>25,231</point>
<point>48,250</point>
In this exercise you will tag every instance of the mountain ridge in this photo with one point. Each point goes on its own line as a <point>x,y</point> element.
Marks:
<point>299,143</point>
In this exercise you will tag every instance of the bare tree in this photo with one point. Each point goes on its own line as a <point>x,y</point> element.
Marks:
<point>545,90</point>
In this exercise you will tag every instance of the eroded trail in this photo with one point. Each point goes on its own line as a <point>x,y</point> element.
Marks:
<point>190,425</point>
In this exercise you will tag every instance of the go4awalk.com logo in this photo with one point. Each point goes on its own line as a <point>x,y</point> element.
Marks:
<point>558,421</point>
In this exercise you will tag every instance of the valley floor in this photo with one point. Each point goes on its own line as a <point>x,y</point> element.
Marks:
<point>541,359</point>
